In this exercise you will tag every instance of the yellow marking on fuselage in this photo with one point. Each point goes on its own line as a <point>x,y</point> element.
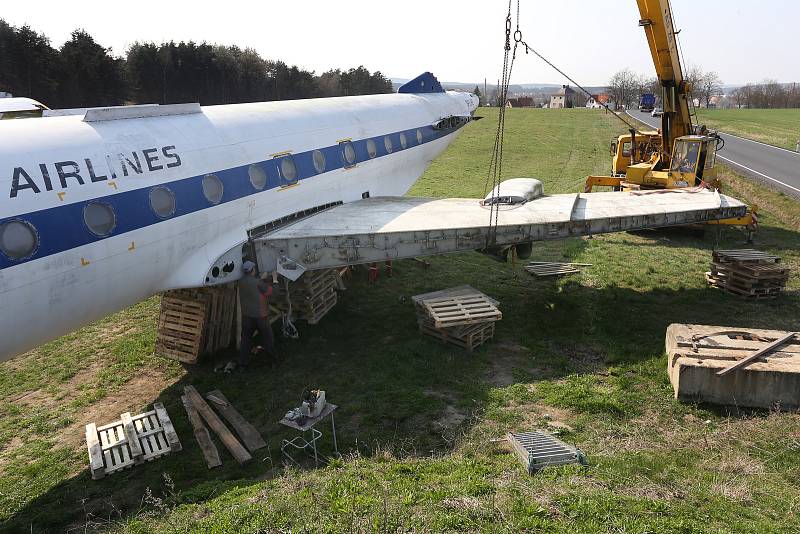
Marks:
<point>61,195</point>
<point>285,187</point>
<point>113,184</point>
<point>85,262</point>
<point>346,140</point>
<point>279,154</point>
<point>133,245</point>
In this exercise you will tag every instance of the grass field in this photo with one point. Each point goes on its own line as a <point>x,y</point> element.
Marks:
<point>779,127</point>
<point>583,356</point>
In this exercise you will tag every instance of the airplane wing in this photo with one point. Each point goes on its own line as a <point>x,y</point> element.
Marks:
<point>389,228</point>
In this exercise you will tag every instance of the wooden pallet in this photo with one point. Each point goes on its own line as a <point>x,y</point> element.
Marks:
<point>313,295</point>
<point>546,269</point>
<point>761,271</point>
<point>470,338</point>
<point>130,441</point>
<point>181,326</point>
<point>744,255</point>
<point>196,321</point>
<point>461,310</point>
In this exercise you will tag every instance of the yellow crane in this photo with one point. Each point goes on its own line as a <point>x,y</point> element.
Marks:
<point>642,159</point>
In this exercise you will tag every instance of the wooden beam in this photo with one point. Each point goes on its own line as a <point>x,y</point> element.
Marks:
<point>228,439</point>
<point>96,464</point>
<point>250,436</point>
<point>759,353</point>
<point>210,452</point>
<point>169,429</point>
<point>132,437</point>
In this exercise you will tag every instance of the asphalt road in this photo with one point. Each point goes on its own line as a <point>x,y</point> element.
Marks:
<point>776,166</point>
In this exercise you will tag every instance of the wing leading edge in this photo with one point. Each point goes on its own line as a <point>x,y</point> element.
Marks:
<point>388,228</point>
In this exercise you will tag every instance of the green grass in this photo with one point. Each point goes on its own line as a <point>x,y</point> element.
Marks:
<point>779,127</point>
<point>417,419</point>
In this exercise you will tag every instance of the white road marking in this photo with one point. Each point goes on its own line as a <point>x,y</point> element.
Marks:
<point>784,184</point>
<point>761,143</point>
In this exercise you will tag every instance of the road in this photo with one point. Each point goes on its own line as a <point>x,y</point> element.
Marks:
<point>776,166</point>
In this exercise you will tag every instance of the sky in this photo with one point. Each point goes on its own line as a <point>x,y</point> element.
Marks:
<point>459,41</point>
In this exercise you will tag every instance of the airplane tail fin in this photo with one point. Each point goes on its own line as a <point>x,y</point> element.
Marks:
<point>424,83</point>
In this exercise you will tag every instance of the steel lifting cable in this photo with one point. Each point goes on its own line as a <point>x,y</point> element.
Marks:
<point>496,161</point>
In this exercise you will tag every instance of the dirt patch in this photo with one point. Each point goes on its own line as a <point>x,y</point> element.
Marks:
<point>533,415</point>
<point>451,417</point>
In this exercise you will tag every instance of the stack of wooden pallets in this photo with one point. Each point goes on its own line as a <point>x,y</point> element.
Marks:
<point>462,316</point>
<point>197,321</point>
<point>748,272</point>
<point>130,441</point>
<point>312,295</point>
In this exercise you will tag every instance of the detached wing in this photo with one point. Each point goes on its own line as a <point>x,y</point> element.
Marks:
<point>388,228</point>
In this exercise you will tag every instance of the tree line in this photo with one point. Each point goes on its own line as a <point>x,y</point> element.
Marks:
<point>82,73</point>
<point>768,94</point>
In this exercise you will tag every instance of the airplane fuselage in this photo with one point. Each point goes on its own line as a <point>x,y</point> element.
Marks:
<point>100,212</point>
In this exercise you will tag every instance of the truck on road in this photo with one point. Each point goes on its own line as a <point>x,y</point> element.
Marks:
<point>647,102</point>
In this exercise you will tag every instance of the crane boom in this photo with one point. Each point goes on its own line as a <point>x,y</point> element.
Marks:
<point>656,19</point>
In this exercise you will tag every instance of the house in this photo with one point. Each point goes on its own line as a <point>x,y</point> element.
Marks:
<point>598,101</point>
<point>563,98</point>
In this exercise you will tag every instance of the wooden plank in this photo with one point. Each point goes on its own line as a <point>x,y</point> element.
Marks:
<point>169,428</point>
<point>96,464</point>
<point>228,439</point>
<point>132,438</point>
<point>766,350</point>
<point>210,452</point>
<point>250,436</point>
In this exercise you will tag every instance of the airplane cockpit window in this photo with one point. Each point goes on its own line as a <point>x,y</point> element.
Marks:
<point>348,153</point>
<point>419,137</point>
<point>403,140</point>
<point>162,202</point>
<point>372,150</point>
<point>288,169</point>
<point>258,178</point>
<point>99,218</point>
<point>319,160</point>
<point>18,240</point>
<point>212,188</point>
<point>387,143</point>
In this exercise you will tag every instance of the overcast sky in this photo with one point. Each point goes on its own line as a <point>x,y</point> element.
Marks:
<point>459,41</point>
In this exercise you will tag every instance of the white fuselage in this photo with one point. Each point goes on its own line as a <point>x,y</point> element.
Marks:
<point>56,172</point>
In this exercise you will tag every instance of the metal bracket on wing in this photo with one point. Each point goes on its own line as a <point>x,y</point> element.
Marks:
<point>289,268</point>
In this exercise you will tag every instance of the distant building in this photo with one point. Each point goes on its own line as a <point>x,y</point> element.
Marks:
<point>563,98</point>
<point>597,101</point>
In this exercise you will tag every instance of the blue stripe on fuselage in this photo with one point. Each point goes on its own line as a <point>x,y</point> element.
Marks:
<point>62,228</point>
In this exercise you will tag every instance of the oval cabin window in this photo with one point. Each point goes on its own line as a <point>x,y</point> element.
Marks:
<point>288,169</point>
<point>419,137</point>
<point>387,143</point>
<point>403,141</point>
<point>18,240</point>
<point>319,161</point>
<point>99,218</point>
<point>162,202</point>
<point>212,188</point>
<point>372,150</point>
<point>348,153</point>
<point>258,178</point>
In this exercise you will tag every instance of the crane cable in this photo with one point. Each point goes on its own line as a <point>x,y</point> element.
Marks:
<point>496,161</point>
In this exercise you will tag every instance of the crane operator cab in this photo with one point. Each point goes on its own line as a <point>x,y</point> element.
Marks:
<point>692,161</point>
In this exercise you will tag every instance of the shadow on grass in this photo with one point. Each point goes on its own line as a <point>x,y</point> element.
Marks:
<point>400,391</point>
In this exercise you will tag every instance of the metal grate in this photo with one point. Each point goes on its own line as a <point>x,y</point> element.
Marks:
<point>538,450</point>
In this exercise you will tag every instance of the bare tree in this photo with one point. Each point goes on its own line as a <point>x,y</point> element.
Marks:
<point>623,87</point>
<point>710,85</point>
